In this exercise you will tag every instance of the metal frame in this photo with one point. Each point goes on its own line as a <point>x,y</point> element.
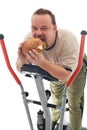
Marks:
<point>41,92</point>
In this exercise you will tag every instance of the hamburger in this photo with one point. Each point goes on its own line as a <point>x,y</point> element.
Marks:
<point>33,43</point>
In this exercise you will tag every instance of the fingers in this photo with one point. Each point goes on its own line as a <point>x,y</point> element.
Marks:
<point>20,47</point>
<point>20,54</point>
<point>33,56</point>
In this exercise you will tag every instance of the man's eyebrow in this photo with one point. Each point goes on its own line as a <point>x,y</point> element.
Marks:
<point>41,26</point>
<point>44,26</point>
<point>33,27</point>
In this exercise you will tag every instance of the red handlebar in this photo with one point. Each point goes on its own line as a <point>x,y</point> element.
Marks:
<point>7,59</point>
<point>80,60</point>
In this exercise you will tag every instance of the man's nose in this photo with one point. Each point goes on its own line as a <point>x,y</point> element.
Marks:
<point>39,32</point>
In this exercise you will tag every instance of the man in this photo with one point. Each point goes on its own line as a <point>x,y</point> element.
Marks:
<point>60,59</point>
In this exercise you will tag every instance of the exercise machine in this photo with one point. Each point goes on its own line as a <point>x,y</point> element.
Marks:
<point>33,71</point>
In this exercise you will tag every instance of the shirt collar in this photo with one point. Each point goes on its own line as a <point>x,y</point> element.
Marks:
<point>52,44</point>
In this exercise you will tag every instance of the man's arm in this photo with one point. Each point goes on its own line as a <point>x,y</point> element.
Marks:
<point>57,71</point>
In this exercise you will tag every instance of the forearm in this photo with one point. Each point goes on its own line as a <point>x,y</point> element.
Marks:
<point>20,62</point>
<point>56,70</point>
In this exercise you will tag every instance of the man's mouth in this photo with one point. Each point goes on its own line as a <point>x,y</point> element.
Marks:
<point>43,39</point>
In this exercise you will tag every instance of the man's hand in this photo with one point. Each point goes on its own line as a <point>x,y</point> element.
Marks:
<point>22,59</point>
<point>35,57</point>
<point>20,54</point>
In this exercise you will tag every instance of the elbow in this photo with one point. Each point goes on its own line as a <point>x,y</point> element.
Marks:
<point>65,79</point>
<point>65,76</point>
<point>18,66</point>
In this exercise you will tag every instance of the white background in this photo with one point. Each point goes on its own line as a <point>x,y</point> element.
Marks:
<point>15,18</point>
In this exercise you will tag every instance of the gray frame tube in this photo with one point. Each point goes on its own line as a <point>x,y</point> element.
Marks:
<point>63,109</point>
<point>43,99</point>
<point>26,108</point>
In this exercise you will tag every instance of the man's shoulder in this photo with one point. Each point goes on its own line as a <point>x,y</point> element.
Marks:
<point>66,34</point>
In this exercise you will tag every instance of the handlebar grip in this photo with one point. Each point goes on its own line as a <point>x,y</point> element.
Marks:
<point>1,36</point>
<point>83,32</point>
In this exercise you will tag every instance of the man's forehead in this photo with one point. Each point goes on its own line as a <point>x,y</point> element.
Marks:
<point>44,17</point>
<point>40,20</point>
